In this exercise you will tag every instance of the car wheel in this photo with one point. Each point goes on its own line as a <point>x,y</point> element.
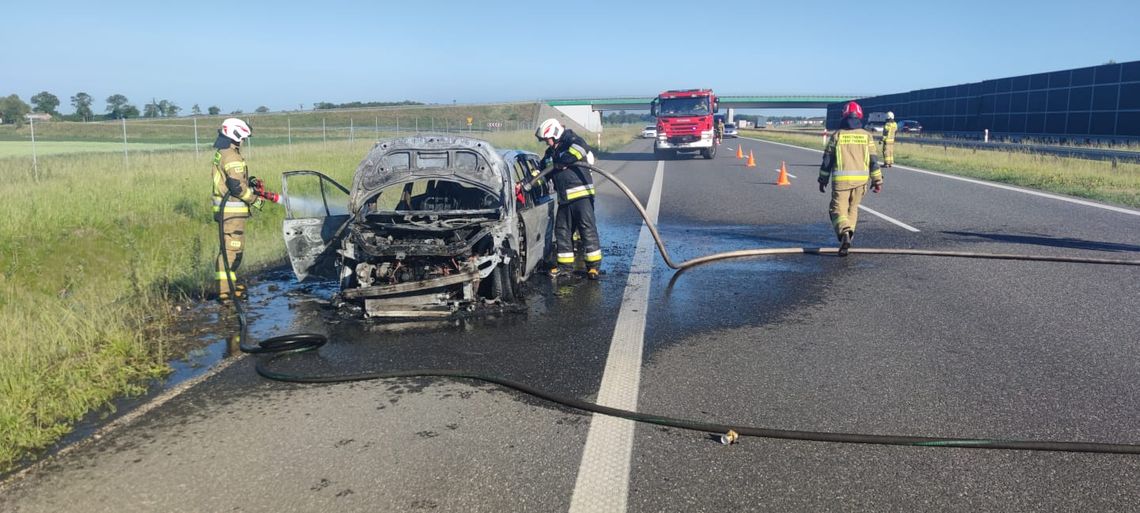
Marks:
<point>709,153</point>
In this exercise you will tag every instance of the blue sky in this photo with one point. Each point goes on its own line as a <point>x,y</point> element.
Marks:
<point>283,54</point>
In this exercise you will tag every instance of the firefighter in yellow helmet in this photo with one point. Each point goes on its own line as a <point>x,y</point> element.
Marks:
<point>849,161</point>
<point>231,176</point>
<point>889,130</point>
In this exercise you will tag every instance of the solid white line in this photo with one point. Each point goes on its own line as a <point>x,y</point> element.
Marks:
<point>891,219</point>
<point>789,174</point>
<point>1112,208</point>
<point>603,475</point>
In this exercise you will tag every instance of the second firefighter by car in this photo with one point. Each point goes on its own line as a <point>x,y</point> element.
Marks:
<point>575,187</point>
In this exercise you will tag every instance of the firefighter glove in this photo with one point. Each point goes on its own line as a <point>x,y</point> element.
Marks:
<point>258,203</point>
<point>257,185</point>
<point>822,186</point>
<point>876,187</point>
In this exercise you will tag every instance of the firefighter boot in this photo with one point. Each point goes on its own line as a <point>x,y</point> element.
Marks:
<point>592,273</point>
<point>844,242</point>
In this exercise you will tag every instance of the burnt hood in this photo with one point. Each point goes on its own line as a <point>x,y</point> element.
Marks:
<point>445,157</point>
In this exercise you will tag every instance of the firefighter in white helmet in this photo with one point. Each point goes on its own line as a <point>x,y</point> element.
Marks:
<point>230,175</point>
<point>575,187</point>
<point>889,130</point>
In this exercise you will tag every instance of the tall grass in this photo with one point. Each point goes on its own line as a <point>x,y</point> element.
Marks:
<point>93,254</point>
<point>1092,179</point>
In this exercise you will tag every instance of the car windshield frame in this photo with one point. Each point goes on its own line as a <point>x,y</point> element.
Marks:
<point>680,107</point>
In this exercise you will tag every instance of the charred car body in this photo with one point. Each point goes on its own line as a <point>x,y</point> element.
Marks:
<point>433,225</point>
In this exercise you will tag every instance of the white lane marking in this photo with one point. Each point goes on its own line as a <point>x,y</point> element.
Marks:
<point>891,219</point>
<point>603,475</point>
<point>1121,210</point>
<point>789,174</point>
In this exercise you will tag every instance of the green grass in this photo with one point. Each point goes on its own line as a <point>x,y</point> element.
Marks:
<point>95,251</point>
<point>10,149</point>
<point>1096,180</point>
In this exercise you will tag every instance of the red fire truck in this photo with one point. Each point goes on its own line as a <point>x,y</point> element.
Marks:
<point>685,122</point>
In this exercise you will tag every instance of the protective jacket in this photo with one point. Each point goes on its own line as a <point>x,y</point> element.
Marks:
<point>849,159</point>
<point>889,129</point>
<point>230,174</point>
<point>572,182</point>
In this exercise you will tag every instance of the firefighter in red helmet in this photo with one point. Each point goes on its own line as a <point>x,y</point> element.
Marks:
<point>849,162</point>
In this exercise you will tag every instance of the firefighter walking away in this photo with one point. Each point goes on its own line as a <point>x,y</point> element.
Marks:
<point>575,188</point>
<point>230,175</point>
<point>849,161</point>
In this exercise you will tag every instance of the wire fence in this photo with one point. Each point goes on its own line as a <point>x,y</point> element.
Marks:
<point>38,140</point>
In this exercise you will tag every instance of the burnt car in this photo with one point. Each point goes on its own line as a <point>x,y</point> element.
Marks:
<point>433,225</point>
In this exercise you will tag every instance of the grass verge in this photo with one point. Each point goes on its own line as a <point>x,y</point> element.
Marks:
<point>1095,180</point>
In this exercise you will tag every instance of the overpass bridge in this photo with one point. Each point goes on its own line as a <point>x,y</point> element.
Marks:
<point>587,111</point>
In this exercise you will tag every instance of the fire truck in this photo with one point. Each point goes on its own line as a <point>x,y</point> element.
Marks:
<point>685,122</point>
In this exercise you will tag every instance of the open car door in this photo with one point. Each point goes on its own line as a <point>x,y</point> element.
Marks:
<point>316,217</point>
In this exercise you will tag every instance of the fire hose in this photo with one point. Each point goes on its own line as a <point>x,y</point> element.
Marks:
<point>302,342</point>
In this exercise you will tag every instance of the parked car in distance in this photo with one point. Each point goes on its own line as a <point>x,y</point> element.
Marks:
<point>874,128</point>
<point>432,226</point>
<point>730,130</point>
<point>650,132</point>
<point>910,126</point>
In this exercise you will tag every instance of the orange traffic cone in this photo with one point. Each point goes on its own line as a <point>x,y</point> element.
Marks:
<point>739,152</point>
<point>751,159</point>
<point>783,179</point>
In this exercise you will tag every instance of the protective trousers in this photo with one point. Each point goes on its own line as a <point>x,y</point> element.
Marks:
<point>577,215</point>
<point>233,228</point>
<point>844,208</point>
<point>888,152</point>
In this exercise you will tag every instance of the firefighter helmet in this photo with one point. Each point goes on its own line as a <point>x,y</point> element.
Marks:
<point>236,129</point>
<point>890,115</point>
<point>549,129</point>
<point>853,110</point>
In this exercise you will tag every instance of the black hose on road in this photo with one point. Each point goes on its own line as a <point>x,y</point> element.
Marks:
<point>302,342</point>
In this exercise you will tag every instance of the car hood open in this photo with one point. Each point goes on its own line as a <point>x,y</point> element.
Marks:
<point>427,156</point>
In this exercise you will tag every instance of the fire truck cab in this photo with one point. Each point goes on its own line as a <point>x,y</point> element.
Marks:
<point>685,122</point>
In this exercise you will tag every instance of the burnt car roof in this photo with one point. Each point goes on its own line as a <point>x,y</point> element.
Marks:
<point>427,156</point>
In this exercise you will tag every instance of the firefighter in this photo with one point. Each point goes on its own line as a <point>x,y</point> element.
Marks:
<point>719,128</point>
<point>849,161</point>
<point>889,129</point>
<point>230,175</point>
<point>575,189</point>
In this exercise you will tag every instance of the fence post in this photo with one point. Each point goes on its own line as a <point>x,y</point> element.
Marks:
<point>324,132</point>
<point>36,166</point>
<point>397,125</point>
<point>126,159</point>
<point>195,138</point>
<point>351,131</point>
<point>289,131</point>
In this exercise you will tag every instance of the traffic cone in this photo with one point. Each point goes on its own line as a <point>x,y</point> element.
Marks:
<point>783,179</point>
<point>751,159</point>
<point>739,152</point>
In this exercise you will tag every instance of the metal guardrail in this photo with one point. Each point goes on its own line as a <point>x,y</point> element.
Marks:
<point>1039,149</point>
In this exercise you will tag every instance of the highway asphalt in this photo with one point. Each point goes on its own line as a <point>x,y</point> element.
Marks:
<point>902,345</point>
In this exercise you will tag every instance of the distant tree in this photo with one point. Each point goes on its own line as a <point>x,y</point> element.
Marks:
<point>13,110</point>
<point>45,102</point>
<point>169,109</point>
<point>262,109</point>
<point>236,112</point>
<point>115,105</point>
<point>214,110</point>
<point>130,111</point>
<point>82,103</point>
<point>151,110</point>
<point>195,110</point>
